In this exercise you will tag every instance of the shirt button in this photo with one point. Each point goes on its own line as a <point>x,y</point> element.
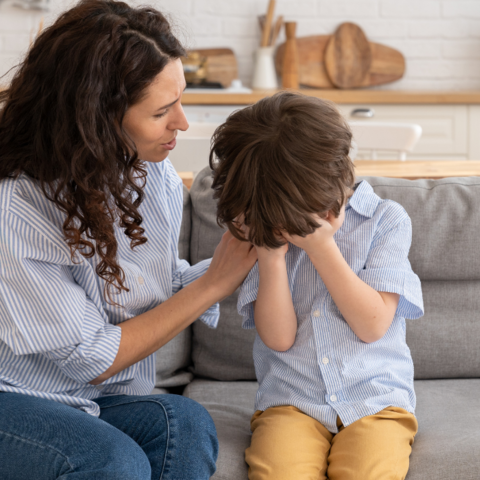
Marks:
<point>316,313</point>
<point>141,280</point>
<point>325,360</point>
<point>333,398</point>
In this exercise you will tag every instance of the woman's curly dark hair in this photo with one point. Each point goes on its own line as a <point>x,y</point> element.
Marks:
<point>62,115</point>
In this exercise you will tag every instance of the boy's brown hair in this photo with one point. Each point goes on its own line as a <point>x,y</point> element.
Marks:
<point>278,162</point>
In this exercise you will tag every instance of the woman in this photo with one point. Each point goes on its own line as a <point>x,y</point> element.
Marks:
<point>85,299</point>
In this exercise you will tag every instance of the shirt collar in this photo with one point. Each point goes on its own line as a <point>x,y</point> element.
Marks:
<point>364,200</point>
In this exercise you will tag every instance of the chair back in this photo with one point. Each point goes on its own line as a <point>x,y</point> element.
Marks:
<point>386,136</point>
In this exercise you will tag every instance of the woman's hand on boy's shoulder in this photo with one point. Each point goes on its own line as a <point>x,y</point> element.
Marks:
<point>231,262</point>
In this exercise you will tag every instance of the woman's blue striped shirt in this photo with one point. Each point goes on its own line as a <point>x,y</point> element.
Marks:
<point>57,332</point>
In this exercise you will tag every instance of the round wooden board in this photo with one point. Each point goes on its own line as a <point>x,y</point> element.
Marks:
<point>348,56</point>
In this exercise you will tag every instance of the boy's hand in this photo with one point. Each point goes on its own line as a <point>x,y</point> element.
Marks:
<point>321,236</point>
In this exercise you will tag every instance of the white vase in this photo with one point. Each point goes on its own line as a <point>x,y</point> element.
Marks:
<point>264,74</point>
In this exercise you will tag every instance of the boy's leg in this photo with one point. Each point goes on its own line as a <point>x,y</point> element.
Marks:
<point>376,447</point>
<point>287,444</point>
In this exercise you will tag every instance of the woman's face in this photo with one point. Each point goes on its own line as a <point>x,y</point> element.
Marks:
<point>153,122</point>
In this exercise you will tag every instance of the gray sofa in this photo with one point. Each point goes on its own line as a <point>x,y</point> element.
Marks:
<point>216,366</point>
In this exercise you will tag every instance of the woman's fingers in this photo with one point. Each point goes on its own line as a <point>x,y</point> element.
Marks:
<point>231,262</point>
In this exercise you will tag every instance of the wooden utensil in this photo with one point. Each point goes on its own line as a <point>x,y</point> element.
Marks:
<point>387,63</point>
<point>290,58</point>
<point>276,30</point>
<point>348,56</point>
<point>268,24</point>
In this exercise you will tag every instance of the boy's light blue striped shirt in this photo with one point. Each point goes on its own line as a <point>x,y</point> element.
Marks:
<point>329,371</point>
<point>57,333</point>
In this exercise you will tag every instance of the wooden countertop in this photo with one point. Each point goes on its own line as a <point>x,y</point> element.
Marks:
<point>359,96</point>
<point>415,169</point>
<point>410,169</point>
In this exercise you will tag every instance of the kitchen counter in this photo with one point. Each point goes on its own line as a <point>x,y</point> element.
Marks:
<point>416,169</point>
<point>359,96</point>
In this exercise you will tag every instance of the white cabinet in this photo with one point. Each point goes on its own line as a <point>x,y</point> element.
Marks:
<point>474,132</point>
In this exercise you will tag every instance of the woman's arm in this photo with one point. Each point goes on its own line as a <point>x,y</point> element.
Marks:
<point>275,318</point>
<point>146,333</point>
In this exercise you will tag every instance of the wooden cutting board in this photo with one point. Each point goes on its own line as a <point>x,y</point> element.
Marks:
<point>221,65</point>
<point>348,56</point>
<point>387,64</point>
<point>311,65</point>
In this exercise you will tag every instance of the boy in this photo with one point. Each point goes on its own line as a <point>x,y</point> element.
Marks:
<point>328,296</point>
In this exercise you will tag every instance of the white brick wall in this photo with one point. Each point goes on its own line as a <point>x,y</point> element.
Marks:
<point>439,38</point>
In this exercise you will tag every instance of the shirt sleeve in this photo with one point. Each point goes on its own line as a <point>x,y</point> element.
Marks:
<point>43,310</point>
<point>248,295</point>
<point>185,274</point>
<point>388,269</point>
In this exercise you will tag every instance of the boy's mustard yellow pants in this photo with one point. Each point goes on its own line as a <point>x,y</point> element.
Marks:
<point>287,444</point>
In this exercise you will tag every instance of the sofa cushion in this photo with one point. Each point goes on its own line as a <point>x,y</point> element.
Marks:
<point>445,254</point>
<point>444,342</point>
<point>446,446</point>
<point>173,359</point>
<point>231,405</point>
<point>448,439</point>
<point>445,220</point>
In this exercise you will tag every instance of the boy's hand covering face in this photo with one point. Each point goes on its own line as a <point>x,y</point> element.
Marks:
<point>322,235</point>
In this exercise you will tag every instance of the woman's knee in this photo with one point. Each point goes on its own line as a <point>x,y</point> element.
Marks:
<point>193,443</point>
<point>190,420</point>
<point>119,462</point>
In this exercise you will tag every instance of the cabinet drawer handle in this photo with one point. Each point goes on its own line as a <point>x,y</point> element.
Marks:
<point>363,112</point>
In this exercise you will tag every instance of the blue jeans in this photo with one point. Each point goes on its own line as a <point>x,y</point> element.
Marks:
<point>167,437</point>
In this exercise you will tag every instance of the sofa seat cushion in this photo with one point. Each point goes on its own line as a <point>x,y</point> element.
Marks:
<point>448,439</point>
<point>446,446</point>
<point>231,405</point>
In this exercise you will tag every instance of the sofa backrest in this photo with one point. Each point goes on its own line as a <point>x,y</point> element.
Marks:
<point>445,253</point>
